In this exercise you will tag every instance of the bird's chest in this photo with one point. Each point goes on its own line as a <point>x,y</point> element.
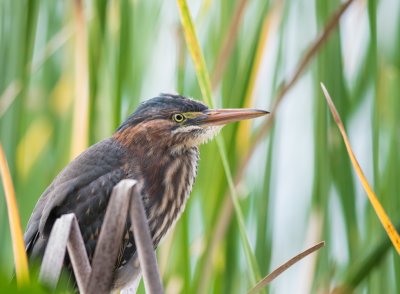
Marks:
<point>166,197</point>
<point>165,191</point>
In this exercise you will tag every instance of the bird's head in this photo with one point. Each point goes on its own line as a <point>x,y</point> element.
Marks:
<point>173,120</point>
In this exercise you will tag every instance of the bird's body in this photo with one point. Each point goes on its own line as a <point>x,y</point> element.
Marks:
<point>105,164</point>
<point>161,153</point>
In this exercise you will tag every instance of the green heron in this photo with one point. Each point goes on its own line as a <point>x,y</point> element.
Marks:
<point>158,146</point>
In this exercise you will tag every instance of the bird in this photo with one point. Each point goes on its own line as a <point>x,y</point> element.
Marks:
<point>157,145</point>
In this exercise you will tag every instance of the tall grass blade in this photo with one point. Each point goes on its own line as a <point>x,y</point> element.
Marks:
<point>20,259</point>
<point>278,271</point>
<point>205,86</point>
<point>386,223</point>
<point>195,52</point>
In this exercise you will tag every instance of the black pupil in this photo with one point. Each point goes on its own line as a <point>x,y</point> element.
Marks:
<point>178,117</point>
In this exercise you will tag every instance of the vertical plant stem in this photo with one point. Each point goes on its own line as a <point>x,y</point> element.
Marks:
<point>20,259</point>
<point>194,48</point>
<point>205,86</point>
<point>144,244</point>
<point>228,43</point>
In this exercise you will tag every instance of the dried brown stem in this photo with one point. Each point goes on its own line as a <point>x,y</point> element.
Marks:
<point>110,239</point>
<point>56,248</point>
<point>228,43</point>
<point>98,278</point>
<point>308,56</point>
<point>144,245</point>
<point>77,255</point>
<point>278,271</point>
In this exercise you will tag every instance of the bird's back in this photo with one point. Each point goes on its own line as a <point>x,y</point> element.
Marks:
<point>87,180</point>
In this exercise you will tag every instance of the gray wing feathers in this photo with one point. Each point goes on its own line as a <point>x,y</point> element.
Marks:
<point>100,159</point>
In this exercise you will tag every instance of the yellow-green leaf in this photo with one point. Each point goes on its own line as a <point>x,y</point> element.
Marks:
<point>379,210</point>
<point>20,259</point>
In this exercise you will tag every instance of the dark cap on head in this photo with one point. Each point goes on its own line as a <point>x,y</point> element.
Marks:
<point>162,106</point>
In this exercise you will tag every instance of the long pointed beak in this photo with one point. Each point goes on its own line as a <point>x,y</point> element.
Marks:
<point>217,117</point>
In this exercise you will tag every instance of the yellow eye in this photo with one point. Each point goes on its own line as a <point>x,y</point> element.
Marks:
<point>178,117</point>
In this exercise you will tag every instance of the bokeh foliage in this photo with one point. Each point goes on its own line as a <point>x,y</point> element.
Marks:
<point>135,49</point>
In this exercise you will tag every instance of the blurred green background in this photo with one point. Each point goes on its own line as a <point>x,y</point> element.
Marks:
<point>71,72</point>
